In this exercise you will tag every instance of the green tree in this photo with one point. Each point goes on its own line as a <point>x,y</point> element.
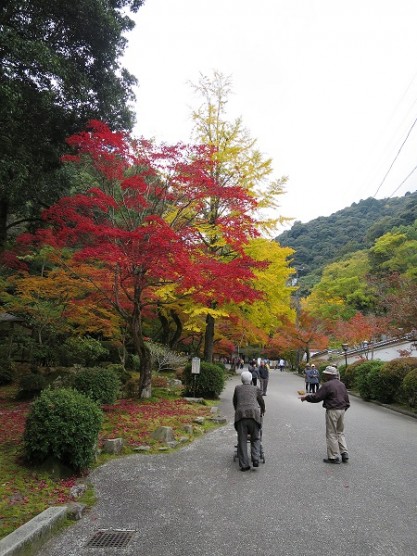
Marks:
<point>59,68</point>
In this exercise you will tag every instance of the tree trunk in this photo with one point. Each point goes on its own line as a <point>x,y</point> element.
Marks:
<point>4,212</point>
<point>145,362</point>
<point>165,327</point>
<point>209,339</point>
<point>178,330</point>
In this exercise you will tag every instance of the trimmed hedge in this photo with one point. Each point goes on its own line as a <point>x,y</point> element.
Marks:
<point>31,385</point>
<point>409,387</point>
<point>389,387</point>
<point>62,424</point>
<point>367,377</point>
<point>208,384</point>
<point>100,384</point>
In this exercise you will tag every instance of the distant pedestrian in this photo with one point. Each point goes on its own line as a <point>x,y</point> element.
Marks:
<point>281,365</point>
<point>314,379</point>
<point>307,377</point>
<point>249,409</point>
<point>253,369</point>
<point>335,398</point>
<point>264,377</point>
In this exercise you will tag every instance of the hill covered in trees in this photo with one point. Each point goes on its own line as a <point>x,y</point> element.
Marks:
<point>326,239</point>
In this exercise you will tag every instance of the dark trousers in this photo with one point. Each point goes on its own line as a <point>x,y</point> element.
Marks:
<point>248,427</point>
<point>314,386</point>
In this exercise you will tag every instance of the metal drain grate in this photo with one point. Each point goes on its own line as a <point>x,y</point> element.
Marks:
<point>113,538</point>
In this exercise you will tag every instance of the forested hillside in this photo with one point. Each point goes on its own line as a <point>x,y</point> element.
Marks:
<point>325,239</point>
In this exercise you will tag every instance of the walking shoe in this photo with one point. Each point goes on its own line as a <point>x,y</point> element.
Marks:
<point>345,457</point>
<point>255,463</point>
<point>244,468</point>
<point>331,460</point>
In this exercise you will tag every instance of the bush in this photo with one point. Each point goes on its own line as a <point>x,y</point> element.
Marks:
<point>389,388</point>
<point>83,350</point>
<point>367,378</point>
<point>62,424</point>
<point>100,385</point>
<point>118,369</point>
<point>30,386</point>
<point>348,374</point>
<point>208,384</point>
<point>409,387</point>
<point>6,374</point>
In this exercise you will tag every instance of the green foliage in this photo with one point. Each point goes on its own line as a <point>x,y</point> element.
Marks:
<point>348,374</point>
<point>84,351</point>
<point>323,240</point>
<point>367,377</point>
<point>389,387</point>
<point>60,68</point>
<point>62,424</point>
<point>118,369</point>
<point>31,385</point>
<point>101,385</point>
<point>409,387</point>
<point>208,384</point>
<point>7,374</point>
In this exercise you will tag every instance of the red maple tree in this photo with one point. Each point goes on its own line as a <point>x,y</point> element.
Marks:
<point>143,225</point>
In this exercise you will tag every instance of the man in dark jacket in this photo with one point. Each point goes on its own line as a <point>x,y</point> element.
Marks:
<point>249,410</point>
<point>335,398</point>
<point>263,377</point>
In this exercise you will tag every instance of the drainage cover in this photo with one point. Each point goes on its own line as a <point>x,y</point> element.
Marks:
<point>113,538</point>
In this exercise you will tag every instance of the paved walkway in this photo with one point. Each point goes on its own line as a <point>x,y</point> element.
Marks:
<point>195,501</point>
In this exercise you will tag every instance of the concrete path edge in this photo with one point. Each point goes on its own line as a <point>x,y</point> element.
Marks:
<point>33,533</point>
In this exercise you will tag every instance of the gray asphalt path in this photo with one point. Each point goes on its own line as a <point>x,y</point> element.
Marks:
<point>196,501</point>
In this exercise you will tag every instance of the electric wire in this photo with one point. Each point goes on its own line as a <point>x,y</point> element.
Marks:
<point>396,157</point>
<point>403,182</point>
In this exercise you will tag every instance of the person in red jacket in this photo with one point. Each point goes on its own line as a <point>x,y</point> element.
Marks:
<point>335,398</point>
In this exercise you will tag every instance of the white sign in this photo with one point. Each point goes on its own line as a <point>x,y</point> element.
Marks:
<point>195,366</point>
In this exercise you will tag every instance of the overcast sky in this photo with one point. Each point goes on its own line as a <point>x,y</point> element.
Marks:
<point>328,88</point>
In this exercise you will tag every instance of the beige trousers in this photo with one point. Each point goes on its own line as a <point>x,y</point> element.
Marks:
<point>335,436</point>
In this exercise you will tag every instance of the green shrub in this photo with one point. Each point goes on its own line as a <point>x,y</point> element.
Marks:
<point>389,388</point>
<point>30,386</point>
<point>348,374</point>
<point>99,384</point>
<point>83,351</point>
<point>367,378</point>
<point>119,371</point>
<point>208,384</point>
<point>409,387</point>
<point>7,374</point>
<point>62,424</point>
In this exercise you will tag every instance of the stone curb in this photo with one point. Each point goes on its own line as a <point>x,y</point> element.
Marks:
<point>33,533</point>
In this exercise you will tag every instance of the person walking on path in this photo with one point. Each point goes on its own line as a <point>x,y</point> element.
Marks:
<point>249,409</point>
<point>253,369</point>
<point>264,377</point>
<point>281,365</point>
<point>335,398</point>
<point>307,377</point>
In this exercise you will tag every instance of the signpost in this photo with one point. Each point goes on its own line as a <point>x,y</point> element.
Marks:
<point>195,370</point>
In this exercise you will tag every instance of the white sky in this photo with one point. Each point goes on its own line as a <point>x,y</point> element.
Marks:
<point>328,88</point>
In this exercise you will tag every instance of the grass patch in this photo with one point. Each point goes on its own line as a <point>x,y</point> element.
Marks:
<point>26,491</point>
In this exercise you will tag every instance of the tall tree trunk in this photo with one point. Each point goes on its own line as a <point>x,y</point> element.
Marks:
<point>4,213</point>
<point>209,339</point>
<point>145,361</point>
<point>165,336</point>
<point>178,330</point>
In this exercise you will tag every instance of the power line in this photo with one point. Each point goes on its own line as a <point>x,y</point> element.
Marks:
<point>395,158</point>
<point>403,182</point>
